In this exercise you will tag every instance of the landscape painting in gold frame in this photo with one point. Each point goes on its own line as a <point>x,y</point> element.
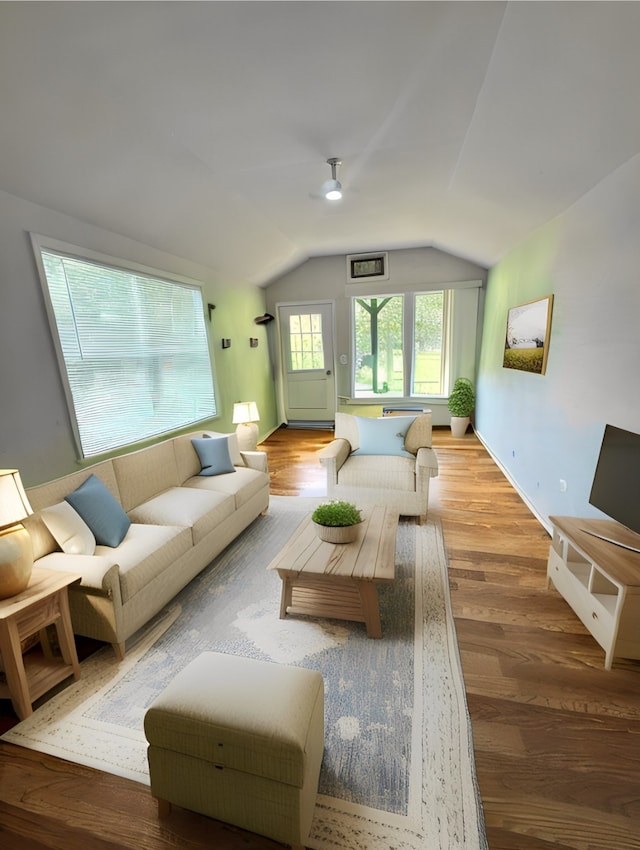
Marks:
<point>526,343</point>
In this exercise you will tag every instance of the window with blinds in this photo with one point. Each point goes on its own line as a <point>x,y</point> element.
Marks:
<point>133,349</point>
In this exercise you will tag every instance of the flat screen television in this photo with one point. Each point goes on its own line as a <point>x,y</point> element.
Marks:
<point>616,482</point>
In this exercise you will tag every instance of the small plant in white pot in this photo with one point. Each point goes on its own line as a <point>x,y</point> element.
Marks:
<point>336,522</point>
<point>461,404</point>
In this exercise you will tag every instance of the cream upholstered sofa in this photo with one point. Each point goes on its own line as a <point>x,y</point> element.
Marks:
<point>388,460</point>
<point>174,512</point>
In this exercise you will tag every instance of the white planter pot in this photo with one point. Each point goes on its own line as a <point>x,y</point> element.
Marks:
<point>337,533</point>
<point>459,425</point>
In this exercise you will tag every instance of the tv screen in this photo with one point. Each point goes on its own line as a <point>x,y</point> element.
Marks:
<point>616,482</point>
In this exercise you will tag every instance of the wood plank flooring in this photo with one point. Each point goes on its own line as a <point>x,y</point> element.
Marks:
<point>557,738</point>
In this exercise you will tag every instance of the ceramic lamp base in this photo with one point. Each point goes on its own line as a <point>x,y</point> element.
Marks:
<point>247,436</point>
<point>16,560</point>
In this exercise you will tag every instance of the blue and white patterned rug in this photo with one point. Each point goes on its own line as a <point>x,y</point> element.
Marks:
<point>398,770</point>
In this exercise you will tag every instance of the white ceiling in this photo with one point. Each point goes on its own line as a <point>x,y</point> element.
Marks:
<point>203,128</point>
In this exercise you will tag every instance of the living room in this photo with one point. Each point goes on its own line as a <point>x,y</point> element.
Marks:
<point>552,208</point>
<point>584,253</point>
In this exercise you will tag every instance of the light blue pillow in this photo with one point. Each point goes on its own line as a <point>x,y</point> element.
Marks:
<point>214,455</point>
<point>101,511</point>
<point>383,436</point>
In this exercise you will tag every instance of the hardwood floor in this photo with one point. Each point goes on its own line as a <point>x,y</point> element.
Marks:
<point>557,738</point>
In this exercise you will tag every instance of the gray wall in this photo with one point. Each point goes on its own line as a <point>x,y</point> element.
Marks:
<point>544,428</point>
<point>35,431</point>
<point>325,278</point>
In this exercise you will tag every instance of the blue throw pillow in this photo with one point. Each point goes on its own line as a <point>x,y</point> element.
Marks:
<point>214,455</point>
<point>383,436</point>
<point>101,511</point>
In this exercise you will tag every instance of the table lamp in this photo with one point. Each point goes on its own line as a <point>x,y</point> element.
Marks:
<point>16,552</point>
<point>245,416</point>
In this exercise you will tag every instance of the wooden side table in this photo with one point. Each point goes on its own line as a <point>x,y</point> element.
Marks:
<point>44,603</point>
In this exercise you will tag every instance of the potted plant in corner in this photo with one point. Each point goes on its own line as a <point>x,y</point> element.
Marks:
<point>336,522</point>
<point>462,401</point>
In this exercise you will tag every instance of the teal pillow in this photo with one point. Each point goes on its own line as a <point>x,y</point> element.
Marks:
<point>101,511</point>
<point>383,436</point>
<point>214,455</point>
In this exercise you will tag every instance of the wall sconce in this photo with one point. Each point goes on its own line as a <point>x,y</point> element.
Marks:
<point>245,416</point>
<point>253,342</point>
<point>16,552</point>
<point>226,343</point>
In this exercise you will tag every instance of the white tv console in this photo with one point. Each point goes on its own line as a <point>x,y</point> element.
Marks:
<point>600,580</point>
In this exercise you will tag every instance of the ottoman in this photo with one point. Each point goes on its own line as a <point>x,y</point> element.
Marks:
<point>239,740</point>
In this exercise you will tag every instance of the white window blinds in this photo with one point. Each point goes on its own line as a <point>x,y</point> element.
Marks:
<point>134,349</point>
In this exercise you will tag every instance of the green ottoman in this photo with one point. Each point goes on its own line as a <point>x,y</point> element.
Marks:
<point>241,741</point>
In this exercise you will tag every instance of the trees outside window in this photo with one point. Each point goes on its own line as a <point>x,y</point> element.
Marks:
<point>400,345</point>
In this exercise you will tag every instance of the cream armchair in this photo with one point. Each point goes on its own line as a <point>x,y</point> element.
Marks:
<point>387,461</point>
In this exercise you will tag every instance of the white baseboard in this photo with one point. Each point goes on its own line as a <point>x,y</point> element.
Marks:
<point>542,520</point>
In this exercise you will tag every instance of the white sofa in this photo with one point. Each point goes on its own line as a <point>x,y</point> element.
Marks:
<point>388,461</point>
<point>180,520</point>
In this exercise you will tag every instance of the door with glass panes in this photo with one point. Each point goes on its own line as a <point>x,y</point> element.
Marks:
<point>306,336</point>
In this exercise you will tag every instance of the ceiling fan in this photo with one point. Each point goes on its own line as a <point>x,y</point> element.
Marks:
<point>332,189</point>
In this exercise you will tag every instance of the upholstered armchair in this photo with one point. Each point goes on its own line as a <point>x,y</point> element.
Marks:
<point>387,461</point>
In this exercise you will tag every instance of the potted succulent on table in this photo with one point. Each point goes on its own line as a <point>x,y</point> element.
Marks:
<point>461,404</point>
<point>336,522</point>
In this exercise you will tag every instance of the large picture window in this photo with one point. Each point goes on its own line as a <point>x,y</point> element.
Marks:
<point>133,348</point>
<point>401,344</point>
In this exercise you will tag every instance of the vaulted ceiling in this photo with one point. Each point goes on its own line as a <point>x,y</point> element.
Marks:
<point>203,128</point>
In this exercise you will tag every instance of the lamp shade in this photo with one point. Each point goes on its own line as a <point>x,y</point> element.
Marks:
<point>14,505</point>
<point>245,411</point>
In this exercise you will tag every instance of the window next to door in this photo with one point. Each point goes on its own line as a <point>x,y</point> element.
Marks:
<point>401,345</point>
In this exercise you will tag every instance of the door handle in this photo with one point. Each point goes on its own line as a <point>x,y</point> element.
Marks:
<point>328,371</point>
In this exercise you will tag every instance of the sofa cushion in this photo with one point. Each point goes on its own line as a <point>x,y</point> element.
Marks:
<point>187,459</point>
<point>51,492</point>
<point>390,472</point>
<point>419,435</point>
<point>214,455</point>
<point>145,473</point>
<point>70,531</point>
<point>234,448</point>
<point>201,511</point>
<point>146,552</point>
<point>384,436</point>
<point>100,510</point>
<point>243,485</point>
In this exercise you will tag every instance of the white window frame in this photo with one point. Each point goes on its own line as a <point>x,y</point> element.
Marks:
<point>48,245</point>
<point>408,339</point>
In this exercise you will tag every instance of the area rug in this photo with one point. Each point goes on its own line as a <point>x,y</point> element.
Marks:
<point>398,770</point>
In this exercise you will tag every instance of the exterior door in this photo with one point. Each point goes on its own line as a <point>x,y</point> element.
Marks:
<point>306,336</point>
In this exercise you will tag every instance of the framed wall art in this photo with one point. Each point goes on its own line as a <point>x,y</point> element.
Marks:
<point>527,339</point>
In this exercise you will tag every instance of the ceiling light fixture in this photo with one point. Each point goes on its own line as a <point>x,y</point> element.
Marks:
<point>332,189</point>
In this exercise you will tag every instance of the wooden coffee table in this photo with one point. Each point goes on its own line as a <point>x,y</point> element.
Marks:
<point>339,581</point>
